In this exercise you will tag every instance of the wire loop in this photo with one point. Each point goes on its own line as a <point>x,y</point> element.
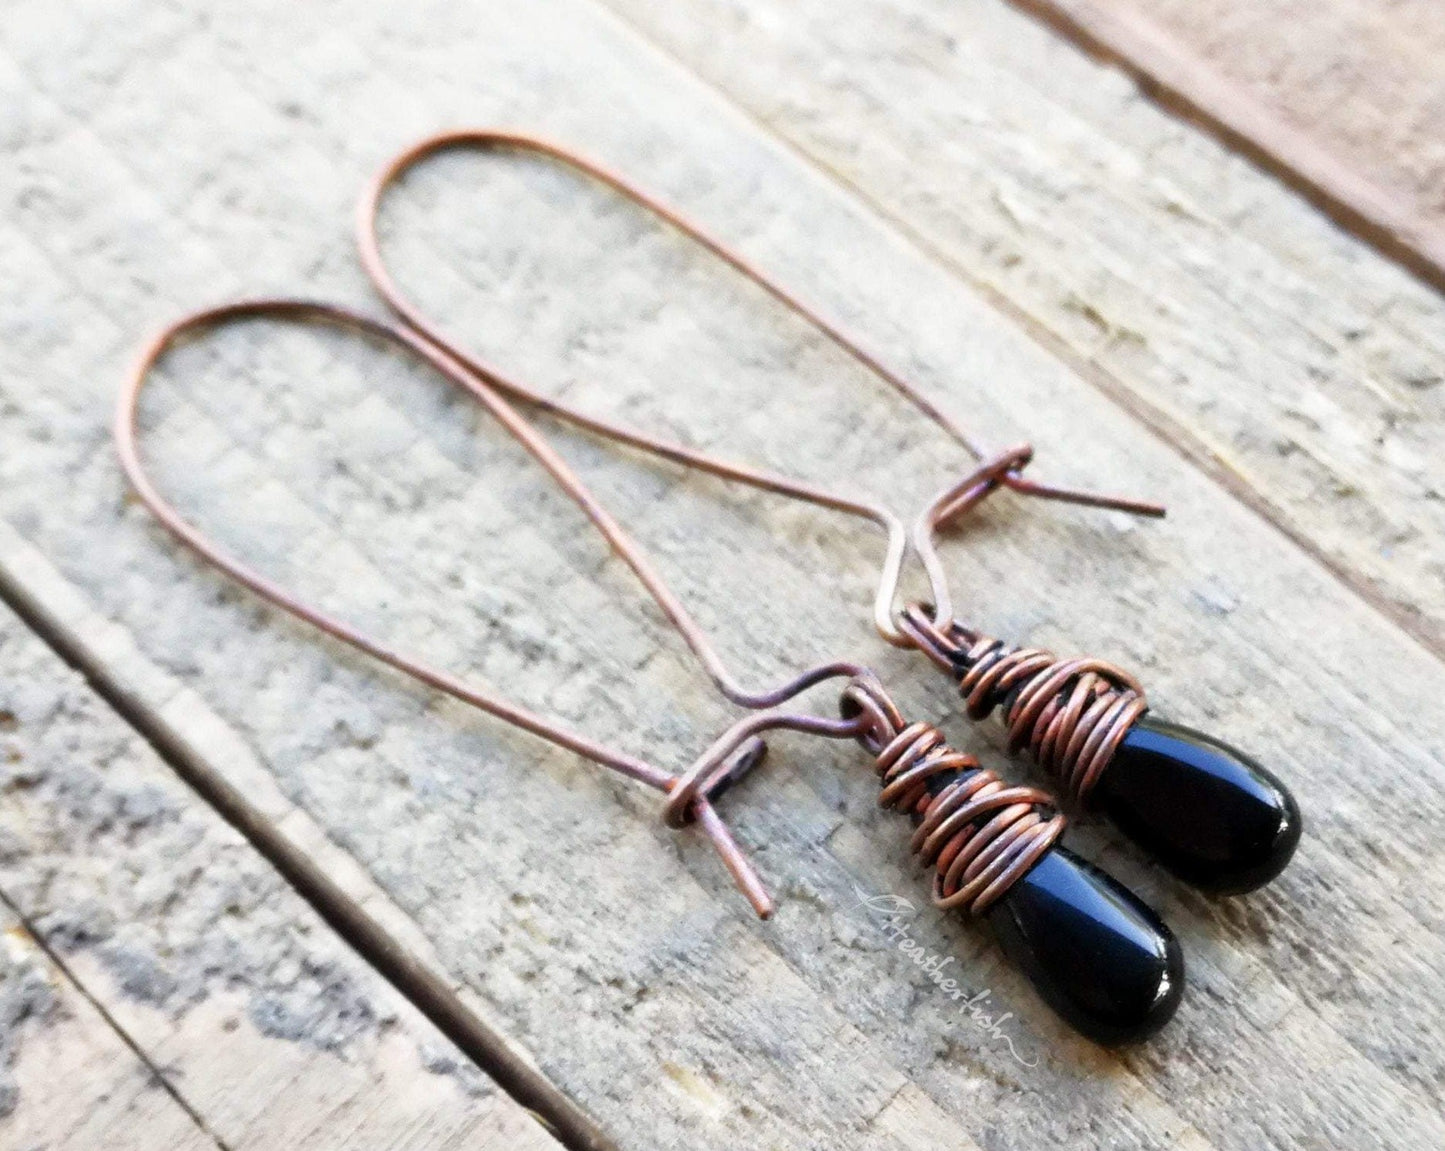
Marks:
<point>690,795</point>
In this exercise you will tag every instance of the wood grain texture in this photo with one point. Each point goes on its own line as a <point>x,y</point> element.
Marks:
<point>1277,353</point>
<point>612,950</point>
<point>161,987</point>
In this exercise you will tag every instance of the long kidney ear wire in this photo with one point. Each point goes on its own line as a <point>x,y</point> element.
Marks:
<point>985,841</point>
<point>1076,717</point>
<point>940,511</point>
<point>690,794</point>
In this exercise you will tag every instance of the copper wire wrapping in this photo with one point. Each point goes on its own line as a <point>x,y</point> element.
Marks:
<point>1071,714</point>
<point>979,835</point>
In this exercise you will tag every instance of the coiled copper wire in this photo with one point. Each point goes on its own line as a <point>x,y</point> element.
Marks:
<point>1071,714</point>
<point>979,835</point>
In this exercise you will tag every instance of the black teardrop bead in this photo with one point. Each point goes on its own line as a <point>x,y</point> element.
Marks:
<point>1095,951</point>
<point>1210,814</point>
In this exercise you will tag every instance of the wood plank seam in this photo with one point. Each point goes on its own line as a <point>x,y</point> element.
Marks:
<point>268,1024</point>
<point>432,996</point>
<point>156,1076</point>
<point>1187,87</point>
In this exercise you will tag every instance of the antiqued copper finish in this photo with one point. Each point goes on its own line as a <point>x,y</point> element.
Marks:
<point>980,835</point>
<point>1002,471</point>
<point>1071,714</point>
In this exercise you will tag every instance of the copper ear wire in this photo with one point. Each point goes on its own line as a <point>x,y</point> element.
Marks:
<point>979,835</point>
<point>1004,470</point>
<point>733,755</point>
<point>370,251</point>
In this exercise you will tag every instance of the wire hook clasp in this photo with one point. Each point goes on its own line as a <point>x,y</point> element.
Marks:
<point>1004,470</point>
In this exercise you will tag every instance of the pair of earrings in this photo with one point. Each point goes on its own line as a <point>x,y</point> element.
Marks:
<point>1095,952</point>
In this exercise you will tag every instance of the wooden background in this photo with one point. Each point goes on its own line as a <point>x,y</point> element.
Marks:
<point>1051,254</point>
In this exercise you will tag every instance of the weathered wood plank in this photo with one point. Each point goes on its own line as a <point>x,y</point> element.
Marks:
<point>1242,325</point>
<point>201,1003</point>
<point>611,948</point>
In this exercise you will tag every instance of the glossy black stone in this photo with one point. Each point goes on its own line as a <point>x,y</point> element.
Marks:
<point>1097,954</point>
<point>1094,951</point>
<point>1208,813</point>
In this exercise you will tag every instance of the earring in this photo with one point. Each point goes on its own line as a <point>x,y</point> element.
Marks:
<point>1207,812</point>
<point>1096,953</point>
